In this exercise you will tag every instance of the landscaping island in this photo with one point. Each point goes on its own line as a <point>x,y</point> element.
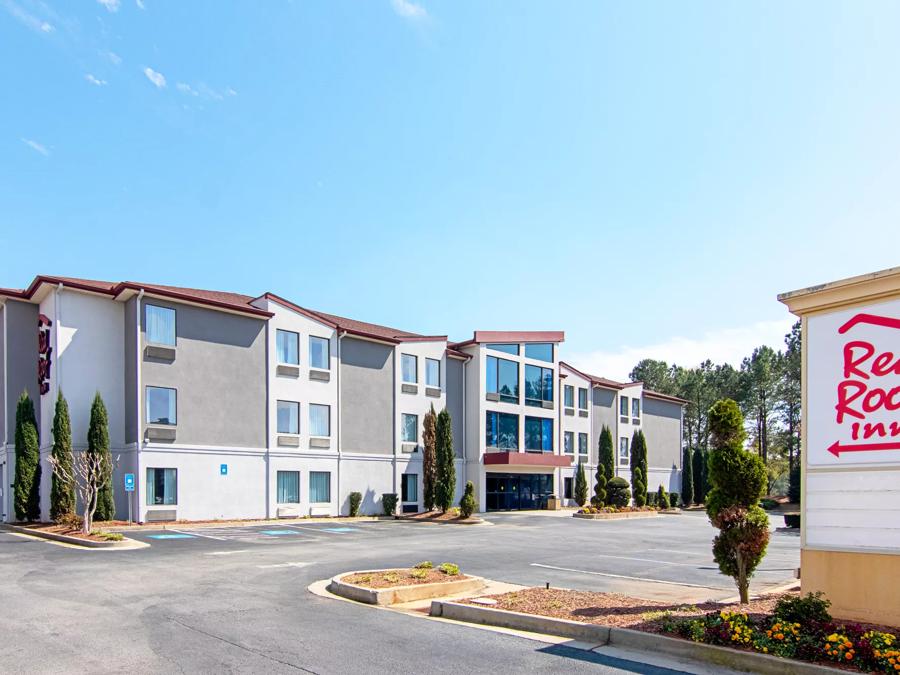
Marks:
<point>393,586</point>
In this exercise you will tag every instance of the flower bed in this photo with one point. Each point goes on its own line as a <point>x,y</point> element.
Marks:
<point>70,531</point>
<point>597,510</point>
<point>423,573</point>
<point>451,516</point>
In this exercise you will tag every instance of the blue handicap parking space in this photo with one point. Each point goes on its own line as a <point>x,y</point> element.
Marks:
<point>340,530</point>
<point>278,533</point>
<point>171,536</point>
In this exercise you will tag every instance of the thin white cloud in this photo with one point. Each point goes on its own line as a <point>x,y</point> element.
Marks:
<point>140,4</point>
<point>185,88</point>
<point>158,79</point>
<point>37,147</point>
<point>95,80</point>
<point>727,345</point>
<point>408,9</point>
<point>27,19</point>
<point>230,92</point>
<point>114,58</point>
<point>111,5</point>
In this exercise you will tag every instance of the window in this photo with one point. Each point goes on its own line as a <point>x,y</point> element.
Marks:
<point>319,420</point>
<point>538,434</point>
<point>568,491</point>
<point>288,487</point>
<point>624,453</point>
<point>503,379</point>
<point>288,417</point>
<point>432,373</point>
<point>623,406</point>
<point>319,356</point>
<point>410,428</point>
<point>582,398</point>
<point>319,487</point>
<point>509,349</point>
<point>160,325</point>
<point>409,487</point>
<point>636,408</point>
<point>410,368</point>
<point>161,406</point>
<point>162,487</point>
<point>538,385</point>
<point>569,442</point>
<point>501,431</point>
<point>569,395</point>
<point>582,444</point>
<point>542,351</point>
<point>287,347</point>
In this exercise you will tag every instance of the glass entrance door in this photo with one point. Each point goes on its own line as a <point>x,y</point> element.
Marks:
<point>518,491</point>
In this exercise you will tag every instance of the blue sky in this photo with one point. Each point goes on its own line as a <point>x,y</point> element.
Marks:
<point>645,176</point>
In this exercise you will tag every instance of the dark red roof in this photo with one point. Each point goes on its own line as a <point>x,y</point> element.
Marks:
<point>482,336</point>
<point>596,379</point>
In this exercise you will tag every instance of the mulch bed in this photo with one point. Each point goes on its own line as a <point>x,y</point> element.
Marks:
<point>438,517</point>
<point>66,530</point>
<point>391,578</point>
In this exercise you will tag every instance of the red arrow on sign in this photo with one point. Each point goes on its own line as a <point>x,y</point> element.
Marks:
<point>837,448</point>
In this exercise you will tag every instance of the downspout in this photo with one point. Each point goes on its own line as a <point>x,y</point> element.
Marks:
<point>139,425</point>
<point>268,459</point>
<point>465,429</point>
<point>337,413</point>
<point>58,377</point>
<point>4,489</point>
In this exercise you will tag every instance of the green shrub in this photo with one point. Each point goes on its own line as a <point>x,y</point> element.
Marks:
<point>391,577</point>
<point>606,457</point>
<point>809,608</point>
<point>794,484</point>
<point>62,490</point>
<point>27,481</point>
<point>651,499</point>
<point>599,498</point>
<point>98,444</point>
<point>618,493</point>
<point>638,487</point>
<point>450,569</point>
<point>424,565</point>
<point>662,499</point>
<point>418,574</point>
<point>110,536</point>
<point>445,457</point>
<point>389,503</point>
<point>467,503</point>
<point>673,500</point>
<point>581,486</point>
<point>355,501</point>
<point>687,476</point>
<point>768,504</point>
<point>639,466</point>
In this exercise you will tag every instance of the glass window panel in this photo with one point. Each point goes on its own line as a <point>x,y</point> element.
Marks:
<point>410,430</point>
<point>161,406</point>
<point>582,398</point>
<point>319,420</point>
<point>490,369</point>
<point>548,384</point>
<point>319,487</point>
<point>635,407</point>
<point>432,373</point>
<point>509,432</point>
<point>160,325</point>
<point>542,351</point>
<point>547,435</point>
<point>538,385</point>
<point>624,454</point>
<point>508,348</point>
<point>567,490</point>
<point>410,368</point>
<point>287,347</point>
<point>288,487</point>
<point>582,444</point>
<point>623,405</point>
<point>569,442</point>
<point>569,391</point>
<point>319,353</point>
<point>162,487</point>
<point>536,433</point>
<point>508,380</point>
<point>288,417</point>
<point>491,429</point>
<point>409,487</point>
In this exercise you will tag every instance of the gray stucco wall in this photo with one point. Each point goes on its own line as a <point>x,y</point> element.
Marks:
<point>455,403</point>
<point>661,423</point>
<point>2,367</point>
<point>603,413</point>
<point>367,396</point>
<point>22,354</point>
<point>131,423</point>
<point>219,373</point>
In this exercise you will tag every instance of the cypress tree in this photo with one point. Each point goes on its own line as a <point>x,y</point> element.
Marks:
<point>639,462</point>
<point>581,486</point>
<point>428,458</point>
<point>607,457</point>
<point>599,498</point>
<point>98,444</point>
<point>687,476</point>
<point>62,493</point>
<point>638,487</point>
<point>445,483</point>
<point>27,481</point>
<point>699,470</point>
<point>662,499</point>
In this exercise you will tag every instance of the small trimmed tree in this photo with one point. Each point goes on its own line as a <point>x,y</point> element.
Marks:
<point>98,445</point>
<point>599,498</point>
<point>445,471</point>
<point>27,480</point>
<point>581,486</point>
<point>700,475</point>
<point>638,488</point>
<point>607,456</point>
<point>467,504</point>
<point>794,484</point>
<point>662,499</point>
<point>62,491</point>
<point>428,458</point>
<point>687,476</point>
<point>618,494</point>
<point>639,462</point>
<point>738,480</point>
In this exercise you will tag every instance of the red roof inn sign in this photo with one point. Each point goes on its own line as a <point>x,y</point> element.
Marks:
<point>854,386</point>
<point>45,354</point>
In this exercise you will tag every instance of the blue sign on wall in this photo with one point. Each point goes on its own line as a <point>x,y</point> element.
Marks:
<point>129,482</point>
<point>223,469</point>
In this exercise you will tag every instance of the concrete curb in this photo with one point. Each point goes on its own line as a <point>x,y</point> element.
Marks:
<point>616,516</point>
<point>400,594</point>
<point>629,639</point>
<point>476,521</point>
<point>75,541</point>
<point>244,523</point>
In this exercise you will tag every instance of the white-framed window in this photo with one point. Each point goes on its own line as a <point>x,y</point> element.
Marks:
<point>319,419</point>
<point>409,487</point>
<point>319,352</point>
<point>569,396</point>
<point>162,487</point>
<point>319,487</point>
<point>624,452</point>
<point>160,325</point>
<point>569,442</point>
<point>287,347</point>
<point>582,398</point>
<point>162,406</point>
<point>409,428</point>
<point>409,365</point>
<point>636,408</point>
<point>623,406</point>
<point>432,373</point>
<point>288,487</point>
<point>288,417</point>
<point>582,444</point>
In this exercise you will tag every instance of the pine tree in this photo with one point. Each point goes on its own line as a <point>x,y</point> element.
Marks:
<point>445,473</point>
<point>98,444</point>
<point>599,498</point>
<point>62,492</point>
<point>687,476</point>
<point>639,462</point>
<point>607,456</point>
<point>581,486</point>
<point>428,458</point>
<point>27,481</point>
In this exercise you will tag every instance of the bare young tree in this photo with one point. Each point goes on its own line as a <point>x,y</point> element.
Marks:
<point>89,475</point>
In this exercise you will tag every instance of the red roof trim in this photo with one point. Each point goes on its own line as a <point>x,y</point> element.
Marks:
<point>527,459</point>
<point>422,338</point>
<point>177,295</point>
<point>598,381</point>
<point>665,397</point>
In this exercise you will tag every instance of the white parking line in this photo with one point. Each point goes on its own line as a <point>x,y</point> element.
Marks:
<point>285,564</point>
<point>194,533</point>
<point>649,560</point>
<point>243,550</point>
<point>622,576</point>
